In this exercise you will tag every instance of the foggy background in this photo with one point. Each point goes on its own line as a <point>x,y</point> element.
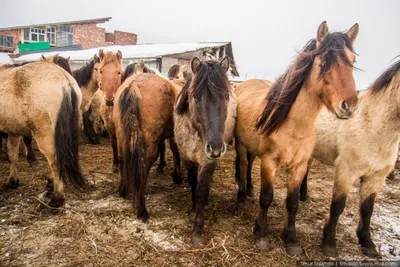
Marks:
<point>265,35</point>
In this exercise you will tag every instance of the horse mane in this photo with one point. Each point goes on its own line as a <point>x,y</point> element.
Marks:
<point>173,71</point>
<point>84,74</point>
<point>385,78</point>
<point>63,63</point>
<point>131,68</point>
<point>210,81</point>
<point>285,90</point>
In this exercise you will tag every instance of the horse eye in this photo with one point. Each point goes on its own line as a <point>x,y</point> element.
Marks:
<point>101,72</point>
<point>95,69</point>
<point>119,73</point>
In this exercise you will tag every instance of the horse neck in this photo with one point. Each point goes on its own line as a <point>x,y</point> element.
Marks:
<point>379,113</point>
<point>304,111</point>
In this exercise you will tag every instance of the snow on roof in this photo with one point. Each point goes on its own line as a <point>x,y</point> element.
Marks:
<point>128,51</point>
<point>5,59</point>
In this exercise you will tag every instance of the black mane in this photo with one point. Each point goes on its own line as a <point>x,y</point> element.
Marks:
<point>130,69</point>
<point>385,78</point>
<point>285,90</point>
<point>210,81</point>
<point>84,74</point>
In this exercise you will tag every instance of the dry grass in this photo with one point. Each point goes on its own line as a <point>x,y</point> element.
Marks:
<point>100,229</point>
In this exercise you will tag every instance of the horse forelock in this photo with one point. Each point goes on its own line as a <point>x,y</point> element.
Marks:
<point>210,81</point>
<point>285,90</point>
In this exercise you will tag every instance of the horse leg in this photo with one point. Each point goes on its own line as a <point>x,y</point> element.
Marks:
<point>176,174</point>
<point>304,185</point>
<point>192,169</point>
<point>13,149</point>
<point>241,168</point>
<point>45,142</point>
<point>294,180</point>
<point>370,187</point>
<point>114,168</point>
<point>268,171</point>
<point>249,186</point>
<point>202,194</point>
<point>161,152</point>
<point>341,188</point>
<point>88,127</point>
<point>30,156</point>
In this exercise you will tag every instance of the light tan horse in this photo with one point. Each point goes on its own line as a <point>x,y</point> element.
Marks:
<point>364,147</point>
<point>285,115</point>
<point>110,79</point>
<point>142,114</point>
<point>42,100</point>
<point>204,122</point>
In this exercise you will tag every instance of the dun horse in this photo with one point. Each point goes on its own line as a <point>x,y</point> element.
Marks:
<point>204,121</point>
<point>64,64</point>
<point>42,100</point>
<point>365,147</point>
<point>142,114</point>
<point>277,122</point>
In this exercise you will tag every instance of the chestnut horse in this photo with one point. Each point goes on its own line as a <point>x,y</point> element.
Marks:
<point>50,117</point>
<point>142,114</point>
<point>277,122</point>
<point>204,121</point>
<point>365,147</point>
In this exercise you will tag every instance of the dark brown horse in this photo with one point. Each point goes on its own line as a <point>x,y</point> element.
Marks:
<point>277,121</point>
<point>141,116</point>
<point>204,121</point>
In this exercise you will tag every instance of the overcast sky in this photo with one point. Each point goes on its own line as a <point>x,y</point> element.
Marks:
<point>265,34</point>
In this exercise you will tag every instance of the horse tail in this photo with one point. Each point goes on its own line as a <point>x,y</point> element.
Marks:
<point>67,140</point>
<point>133,148</point>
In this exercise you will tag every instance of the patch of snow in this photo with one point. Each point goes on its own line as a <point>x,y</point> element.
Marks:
<point>5,59</point>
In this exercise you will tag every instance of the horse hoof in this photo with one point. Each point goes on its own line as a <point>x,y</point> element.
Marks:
<point>143,216</point>
<point>199,240</point>
<point>263,244</point>
<point>12,184</point>
<point>370,252</point>
<point>114,170</point>
<point>176,178</point>
<point>249,192</point>
<point>329,251</point>
<point>51,199</point>
<point>94,141</point>
<point>294,250</point>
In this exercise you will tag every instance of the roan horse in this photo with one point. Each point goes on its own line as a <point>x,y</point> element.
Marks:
<point>142,113</point>
<point>277,122</point>
<point>365,147</point>
<point>42,100</point>
<point>204,121</point>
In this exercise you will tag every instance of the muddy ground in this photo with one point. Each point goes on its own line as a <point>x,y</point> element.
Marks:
<point>100,229</point>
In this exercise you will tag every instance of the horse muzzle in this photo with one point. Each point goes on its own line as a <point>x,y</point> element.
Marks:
<point>212,153</point>
<point>109,102</point>
<point>344,111</point>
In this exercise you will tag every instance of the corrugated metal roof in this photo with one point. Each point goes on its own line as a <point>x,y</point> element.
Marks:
<point>129,52</point>
<point>84,21</point>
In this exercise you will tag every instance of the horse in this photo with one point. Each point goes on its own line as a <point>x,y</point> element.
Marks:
<point>42,100</point>
<point>64,64</point>
<point>179,72</point>
<point>142,116</point>
<point>276,121</point>
<point>365,147</point>
<point>204,122</point>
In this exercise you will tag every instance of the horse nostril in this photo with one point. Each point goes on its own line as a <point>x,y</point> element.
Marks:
<point>344,106</point>
<point>209,149</point>
<point>223,150</point>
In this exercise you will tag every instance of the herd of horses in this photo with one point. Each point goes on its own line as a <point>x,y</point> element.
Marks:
<point>282,122</point>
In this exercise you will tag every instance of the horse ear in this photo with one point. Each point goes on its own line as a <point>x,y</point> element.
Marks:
<point>43,57</point>
<point>195,65</point>
<point>96,58</point>
<point>225,64</point>
<point>101,54</point>
<point>322,32</point>
<point>119,55</point>
<point>353,32</point>
<point>68,58</point>
<point>142,64</point>
<point>183,68</point>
